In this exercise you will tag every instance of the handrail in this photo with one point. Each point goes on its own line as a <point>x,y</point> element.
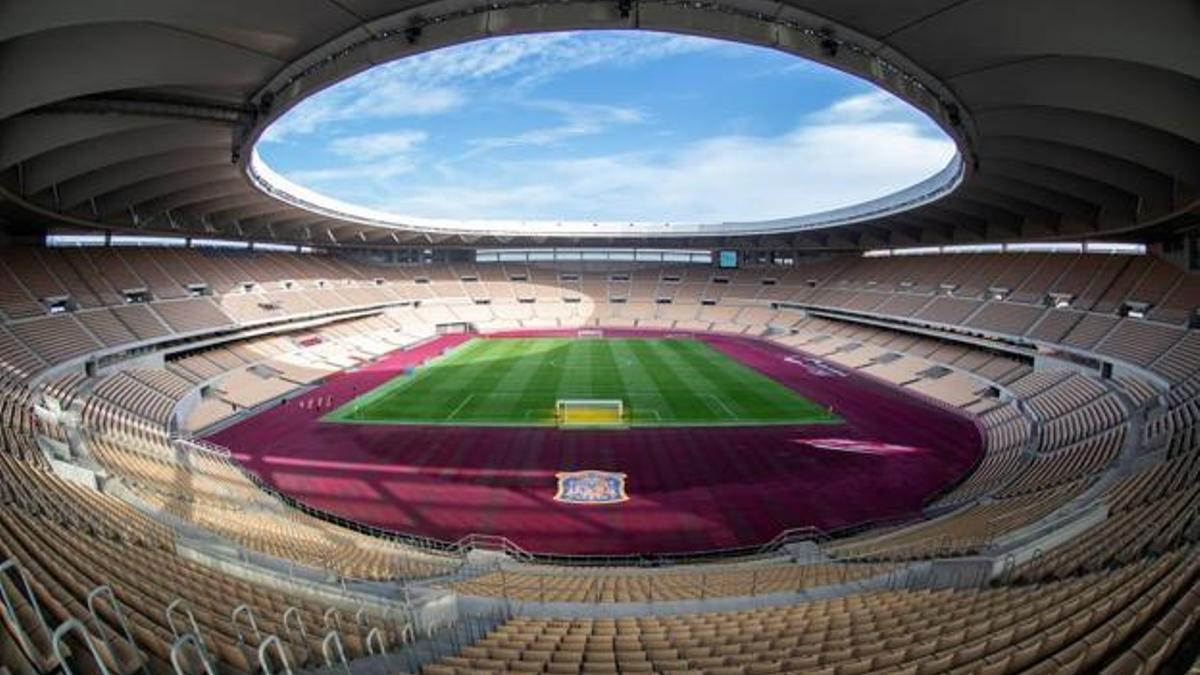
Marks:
<point>26,641</point>
<point>334,638</point>
<point>476,541</point>
<point>793,535</point>
<point>337,619</point>
<point>202,445</point>
<point>378,641</point>
<point>293,611</point>
<point>233,619</point>
<point>360,616</point>
<point>177,649</point>
<point>265,663</point>
<point>170,613</point>
<point>105,589</point>
<point>75,626</point>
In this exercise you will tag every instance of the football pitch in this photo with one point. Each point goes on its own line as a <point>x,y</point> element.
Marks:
<point>518,381</point>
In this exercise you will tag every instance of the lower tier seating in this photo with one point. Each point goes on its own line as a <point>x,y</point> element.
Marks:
<point>66,540</point>
<point>1129,617</point>
<point>624,585</point>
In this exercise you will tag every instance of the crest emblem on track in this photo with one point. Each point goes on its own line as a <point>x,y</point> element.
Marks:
<point>591,487</point>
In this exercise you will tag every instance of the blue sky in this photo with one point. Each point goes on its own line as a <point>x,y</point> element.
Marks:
<point>604,126</point>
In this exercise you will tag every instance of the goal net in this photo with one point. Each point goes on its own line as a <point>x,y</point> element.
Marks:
<point>590,413</point>
<point>590,333</point>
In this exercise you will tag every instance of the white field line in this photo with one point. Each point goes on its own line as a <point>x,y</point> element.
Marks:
<point>465,401</point>
<point>852,451</point>
<point>721,403</point>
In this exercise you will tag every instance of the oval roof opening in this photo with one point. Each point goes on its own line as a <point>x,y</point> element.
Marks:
<point>605,133</point>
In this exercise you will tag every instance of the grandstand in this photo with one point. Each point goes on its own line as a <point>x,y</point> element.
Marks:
<point>981,451</point>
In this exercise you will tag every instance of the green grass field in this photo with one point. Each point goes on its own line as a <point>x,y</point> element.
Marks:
<point>516,382</point>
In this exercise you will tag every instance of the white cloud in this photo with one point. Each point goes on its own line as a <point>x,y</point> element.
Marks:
<point>394,98</point>
<point>369,176</point>
<point>436,82</point>
<point>872,106</point>
<point>848,153</point>
<point>578,119</point>
<point>373,159</point>
<point>361,99</point>
<point>374,146</point>
<point>855,149</point>
<point>526,59</point>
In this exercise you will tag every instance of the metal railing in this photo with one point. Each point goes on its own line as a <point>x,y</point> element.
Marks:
<point>201,445</point>
<point>178,650</point>
<point>264,660</point>
<point>740,579</point>
<point>27,643</point>
<point>76,627</point>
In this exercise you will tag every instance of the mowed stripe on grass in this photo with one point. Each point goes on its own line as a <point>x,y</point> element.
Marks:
<point>517,381</point>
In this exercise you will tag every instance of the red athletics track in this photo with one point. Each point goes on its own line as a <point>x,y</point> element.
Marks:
<point>690,489</point>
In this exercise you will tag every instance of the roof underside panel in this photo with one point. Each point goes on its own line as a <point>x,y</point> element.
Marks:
<point>1078,119</point>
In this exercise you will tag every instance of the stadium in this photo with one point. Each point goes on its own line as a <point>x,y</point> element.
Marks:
<point>251,424</point>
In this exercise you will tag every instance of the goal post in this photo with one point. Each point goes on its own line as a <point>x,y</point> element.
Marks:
<point>577,412</point>
<point>589,333</point>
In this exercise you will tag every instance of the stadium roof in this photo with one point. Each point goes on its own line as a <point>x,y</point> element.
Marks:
<point>1072,119</point>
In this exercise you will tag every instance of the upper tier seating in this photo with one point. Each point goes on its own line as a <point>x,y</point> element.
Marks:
<point>955,290</point>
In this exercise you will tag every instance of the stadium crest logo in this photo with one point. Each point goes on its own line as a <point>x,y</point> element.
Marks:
<point>591,487</point>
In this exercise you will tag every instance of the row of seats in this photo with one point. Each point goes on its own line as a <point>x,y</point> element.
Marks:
<point>1083,458</point>
<point>1043,452</point>
<point>1090,282</point>
<point>1178,427</point>
<point>1161,348</point>
<point>1130,617</point>
<point>1081,422</point>
<point>626,585</point>
<point>965,531</point>
<point>1149,512</point>
<point>253,287</point>
<point>127,417</point>
<point>1093,283</point>
<point>67,541</point>
<point>186,491</point>
<point>1007,433</point>
<point>213,494</point>
<point>907,360</point>
<point>124,390</point>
